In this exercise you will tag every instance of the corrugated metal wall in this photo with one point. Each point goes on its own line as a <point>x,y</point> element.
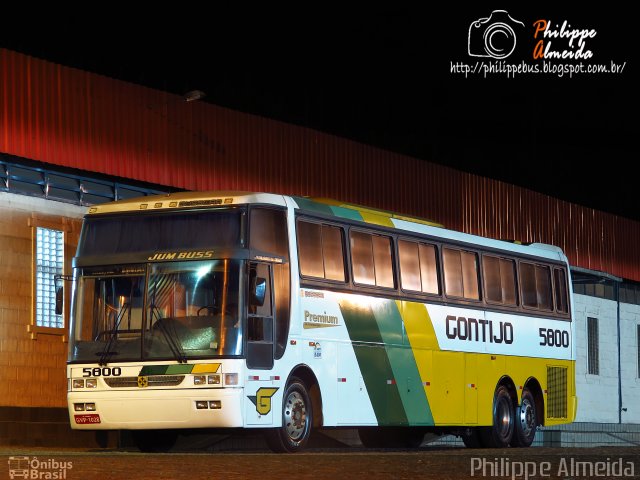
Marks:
<point>72,118</point>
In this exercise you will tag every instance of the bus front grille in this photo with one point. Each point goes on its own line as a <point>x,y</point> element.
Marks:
<point>556,392</point>
<point>143,382</point>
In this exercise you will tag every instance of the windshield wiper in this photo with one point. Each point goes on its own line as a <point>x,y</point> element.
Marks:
<point>170,334</point>
<point>106,352</point>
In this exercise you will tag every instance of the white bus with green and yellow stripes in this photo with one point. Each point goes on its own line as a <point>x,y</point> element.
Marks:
<point>254,310</point>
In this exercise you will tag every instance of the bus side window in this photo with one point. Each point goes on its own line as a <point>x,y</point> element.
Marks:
<point>543,287</point>
<point>310,249</point>
<point>560,284</point>
<point>362,258</point>
<point>499,280</point>
<point>461,273</point>
<point>371,257</point>
<point>382,260</point>
<point>535,281</point>
<point>409,266</point>
<point>418,267</point>
<point>332,253</point>
<point>260,351</point>
<point>320,251</point>
<point>268,233</point>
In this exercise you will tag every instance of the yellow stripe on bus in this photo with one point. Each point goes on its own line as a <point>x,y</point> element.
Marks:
<point>460,386</point>
<point>206,368</point>
<point>376,218</point>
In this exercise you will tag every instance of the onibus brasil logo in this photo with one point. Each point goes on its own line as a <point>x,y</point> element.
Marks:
<point>34,468</point>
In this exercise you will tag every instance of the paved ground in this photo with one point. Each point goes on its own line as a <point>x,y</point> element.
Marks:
<point>326,463</point>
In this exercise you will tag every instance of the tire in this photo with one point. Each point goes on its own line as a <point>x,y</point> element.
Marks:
<point>501,432</point>
<point>526,421</point>
<point>297,419</point>
<point>154,441</point>
<point>471,438</point>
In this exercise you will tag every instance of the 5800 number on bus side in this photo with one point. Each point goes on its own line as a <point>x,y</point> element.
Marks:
<point>550,337</point>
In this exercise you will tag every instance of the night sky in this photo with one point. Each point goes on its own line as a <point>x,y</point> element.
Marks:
<point>384,78</point>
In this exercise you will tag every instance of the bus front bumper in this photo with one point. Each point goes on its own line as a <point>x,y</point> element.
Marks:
<point>156,409</point>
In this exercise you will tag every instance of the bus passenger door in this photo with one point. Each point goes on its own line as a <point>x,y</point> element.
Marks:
<point>260,333</point>
<point>260,317</point>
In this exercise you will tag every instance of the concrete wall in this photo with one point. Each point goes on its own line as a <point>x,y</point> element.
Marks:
<point>629,321</point>
<point>598,394</point>
<point>32,364</point>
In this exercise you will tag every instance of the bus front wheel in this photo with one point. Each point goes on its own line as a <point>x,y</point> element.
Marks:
<point>297,418</point>
<point>501,432</point>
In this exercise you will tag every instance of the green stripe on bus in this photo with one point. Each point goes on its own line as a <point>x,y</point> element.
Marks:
<point>166,369</point>
<point>178,369</point>
<point>306,204</point>
<point>374,364</point>
<point>403,364</point>
<point>349,213</point>
<point>153,370</point>
<point>327,209</point>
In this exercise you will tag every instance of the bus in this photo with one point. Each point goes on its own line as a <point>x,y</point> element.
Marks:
<point>219,310</point>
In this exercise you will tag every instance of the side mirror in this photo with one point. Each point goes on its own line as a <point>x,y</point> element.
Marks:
<point>258,291</point>
<point>59,283</point>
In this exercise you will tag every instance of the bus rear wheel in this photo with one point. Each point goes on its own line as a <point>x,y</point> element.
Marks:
<point>501,432</point>
<point>297,418</point>
<point>526,421</point>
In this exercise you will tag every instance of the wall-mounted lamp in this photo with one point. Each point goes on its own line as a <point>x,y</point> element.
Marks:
<point>194,95</point>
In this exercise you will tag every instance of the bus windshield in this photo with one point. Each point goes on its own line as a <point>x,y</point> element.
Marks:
<point>173,310</point>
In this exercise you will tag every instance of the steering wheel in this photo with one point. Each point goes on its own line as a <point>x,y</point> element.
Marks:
<point>208,308</point>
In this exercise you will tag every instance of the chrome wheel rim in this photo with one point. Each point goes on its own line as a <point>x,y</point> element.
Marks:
<point>527,418</point>
<point>295,416</point>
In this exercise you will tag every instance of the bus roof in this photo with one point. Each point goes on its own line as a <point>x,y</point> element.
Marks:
<point>182,200</point>
<point>418,225</point>
<point>171,201</point>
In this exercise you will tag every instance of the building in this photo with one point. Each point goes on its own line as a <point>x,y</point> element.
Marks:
<point>70,138</point>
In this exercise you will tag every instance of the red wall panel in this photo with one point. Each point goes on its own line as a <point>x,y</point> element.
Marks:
<point>72,118</point>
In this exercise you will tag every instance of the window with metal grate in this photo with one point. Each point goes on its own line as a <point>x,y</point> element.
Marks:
<point>593,347</point>
<point>557,392</point>
<point>49,263</point>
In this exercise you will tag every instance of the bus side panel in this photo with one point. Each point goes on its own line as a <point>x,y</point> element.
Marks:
<point>353,406</point>
<point>391,369</point>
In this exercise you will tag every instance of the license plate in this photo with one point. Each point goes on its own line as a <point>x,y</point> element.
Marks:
<point>87,418</point>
